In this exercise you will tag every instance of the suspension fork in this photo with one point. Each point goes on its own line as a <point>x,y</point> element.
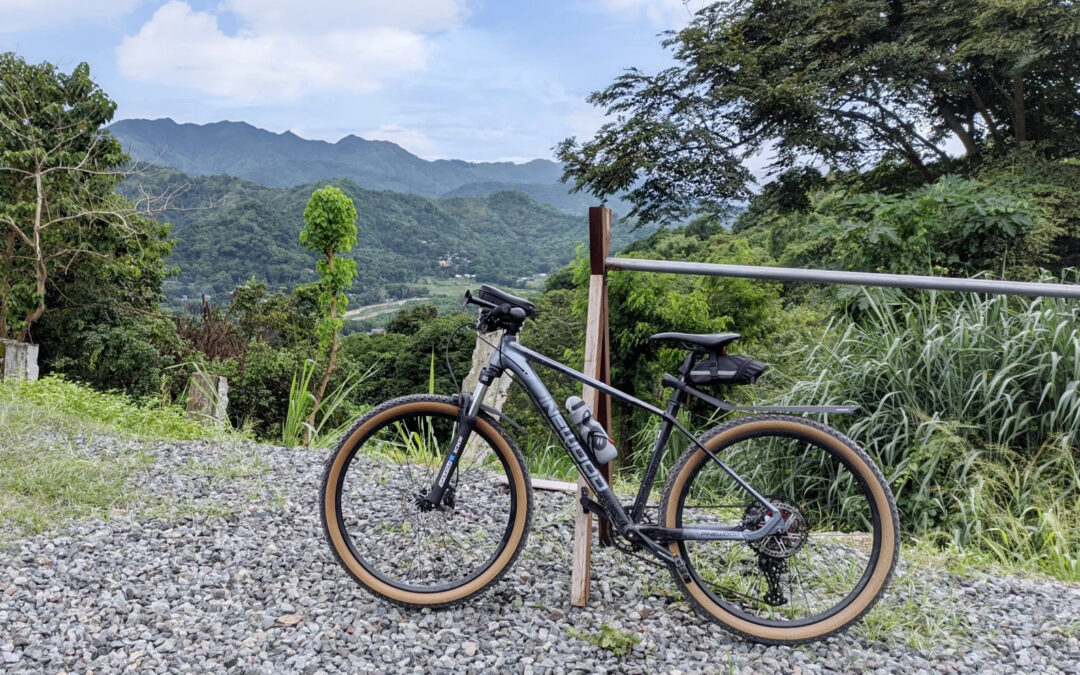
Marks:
<point>468,408</point>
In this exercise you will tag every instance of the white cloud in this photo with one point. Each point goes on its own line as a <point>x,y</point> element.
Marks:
<point>284,50</point>
<point>18,15</point>
<point>412,140</point>
<point>661,13</point>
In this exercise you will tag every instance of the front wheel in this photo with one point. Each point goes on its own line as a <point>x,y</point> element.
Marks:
<point>376,521</point>
<point>836,556</point>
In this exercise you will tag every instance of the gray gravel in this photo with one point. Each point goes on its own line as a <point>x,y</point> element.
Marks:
<point>220,572</point>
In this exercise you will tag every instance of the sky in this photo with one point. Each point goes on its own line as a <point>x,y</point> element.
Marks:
<point>480,80</point>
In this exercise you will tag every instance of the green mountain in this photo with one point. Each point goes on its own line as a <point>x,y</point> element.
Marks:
<point>554,194</point>
<point>228,230</point>
<point>285,160</point>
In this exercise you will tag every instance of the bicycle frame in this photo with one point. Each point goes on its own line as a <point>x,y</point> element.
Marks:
<point>518,360</point>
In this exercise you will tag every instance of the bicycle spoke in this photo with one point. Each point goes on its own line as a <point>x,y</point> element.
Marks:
<point>387,526</point>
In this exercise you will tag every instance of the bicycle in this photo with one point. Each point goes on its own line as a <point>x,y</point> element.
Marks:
<point>789,538</point>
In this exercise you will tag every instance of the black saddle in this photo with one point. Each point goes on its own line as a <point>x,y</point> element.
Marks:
<point>717,367</point>
<point>715,342</point>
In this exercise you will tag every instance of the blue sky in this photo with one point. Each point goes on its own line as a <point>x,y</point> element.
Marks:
<point>468,79</point>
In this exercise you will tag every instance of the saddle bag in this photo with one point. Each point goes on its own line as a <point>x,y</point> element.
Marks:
<point>726,369</point>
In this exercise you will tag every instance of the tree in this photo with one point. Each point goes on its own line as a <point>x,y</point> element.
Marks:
<point>330,229</point>
<point>844,82</point>
<point>58,173</point>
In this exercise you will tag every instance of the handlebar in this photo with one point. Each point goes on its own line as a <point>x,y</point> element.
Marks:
<point>495,316</point>
<point>470,299</point>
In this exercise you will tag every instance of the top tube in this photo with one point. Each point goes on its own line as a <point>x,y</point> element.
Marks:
<point>509,344</point>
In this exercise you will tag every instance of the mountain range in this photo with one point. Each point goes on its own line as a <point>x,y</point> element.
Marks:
<point>285,160</point>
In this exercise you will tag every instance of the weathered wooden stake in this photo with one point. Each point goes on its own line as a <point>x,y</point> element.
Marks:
<point>598,367</point>
<point>208,398</point>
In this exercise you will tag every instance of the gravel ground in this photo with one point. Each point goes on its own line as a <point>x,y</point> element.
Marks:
<point>221,571</point>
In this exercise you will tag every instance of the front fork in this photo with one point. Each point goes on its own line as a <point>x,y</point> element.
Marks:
<point>468,409</point>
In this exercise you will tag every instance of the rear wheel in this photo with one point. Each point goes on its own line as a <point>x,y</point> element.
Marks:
<point>842,538</point>
<point>386,539</point>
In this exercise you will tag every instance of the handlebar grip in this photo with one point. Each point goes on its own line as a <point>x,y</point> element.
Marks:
<point>471,300</point>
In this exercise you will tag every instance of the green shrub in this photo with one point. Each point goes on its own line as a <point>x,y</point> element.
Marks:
<point>971,407</point>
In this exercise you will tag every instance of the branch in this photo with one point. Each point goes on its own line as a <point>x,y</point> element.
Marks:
<point>17,230</point>
<point>985,113</point>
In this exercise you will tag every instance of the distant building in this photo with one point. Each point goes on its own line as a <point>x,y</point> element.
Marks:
<point>377,331</point>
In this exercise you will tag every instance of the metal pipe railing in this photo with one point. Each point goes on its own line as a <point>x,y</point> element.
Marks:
<point>992,286</point>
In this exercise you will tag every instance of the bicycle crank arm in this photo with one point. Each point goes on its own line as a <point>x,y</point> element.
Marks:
<point>635,534</point>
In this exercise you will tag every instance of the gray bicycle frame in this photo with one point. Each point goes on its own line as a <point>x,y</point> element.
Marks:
<point>516,358</point>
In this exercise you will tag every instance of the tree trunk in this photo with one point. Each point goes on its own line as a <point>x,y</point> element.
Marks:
<point>981,107</point>
<point>1019,123</point>
<point>970,146</point>
<point>321,390</point>
<point>40,274</point>
<point>5,283</point>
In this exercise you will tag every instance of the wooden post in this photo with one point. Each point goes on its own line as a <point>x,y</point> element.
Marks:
<point>208,398</point>
<point>598,367</point>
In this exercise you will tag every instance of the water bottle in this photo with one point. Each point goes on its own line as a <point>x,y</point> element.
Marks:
<point>590,430</point>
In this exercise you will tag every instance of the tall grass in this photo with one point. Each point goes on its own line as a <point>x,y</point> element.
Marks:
<point>971,407</point>
<point>333,415</point>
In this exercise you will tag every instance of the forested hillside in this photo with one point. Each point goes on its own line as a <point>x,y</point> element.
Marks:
<point>285,160</point>
<point>229,230</point>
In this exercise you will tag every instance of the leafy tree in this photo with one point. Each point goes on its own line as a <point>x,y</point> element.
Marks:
<point>846,82</point>
<point>409,321</point>
<point>58,172</point>
<point>329,230</point>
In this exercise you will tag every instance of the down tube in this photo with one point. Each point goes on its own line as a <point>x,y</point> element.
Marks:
<point>544,400</point>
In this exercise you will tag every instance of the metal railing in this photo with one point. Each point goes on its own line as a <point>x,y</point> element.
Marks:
<point>992,286</point>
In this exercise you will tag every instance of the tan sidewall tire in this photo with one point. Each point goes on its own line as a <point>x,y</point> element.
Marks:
<point>859,463</point>
<point>332,524</point>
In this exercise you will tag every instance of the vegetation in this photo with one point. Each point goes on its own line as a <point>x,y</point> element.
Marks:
<point>849,84</point>
<point>972,407</point>
<point>46,474</point>
<point>58,210</point>
<point>614,640</point>
<point>330,230</point>
<point>920,137</point>
<point>229,230</point>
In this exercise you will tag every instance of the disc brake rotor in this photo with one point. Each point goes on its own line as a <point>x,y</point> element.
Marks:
<point>781,545</point>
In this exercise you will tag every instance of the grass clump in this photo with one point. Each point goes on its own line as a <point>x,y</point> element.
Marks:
<point>614,640</point>
<point>70,407</point>
<point>42,487</point>
<point>48,475</point>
